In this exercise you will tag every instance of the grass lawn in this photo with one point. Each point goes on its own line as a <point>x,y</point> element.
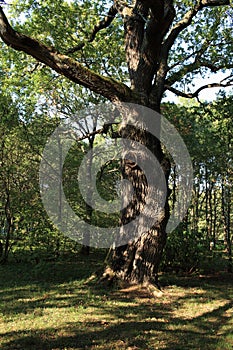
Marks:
<point>51,306</point>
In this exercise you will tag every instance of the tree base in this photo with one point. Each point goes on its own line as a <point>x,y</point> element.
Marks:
<point>109,277</point>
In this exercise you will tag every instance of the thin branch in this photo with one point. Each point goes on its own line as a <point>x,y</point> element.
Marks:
<point>199,52</point>
<point>190,68</point>
<point>107,87</point>
<point>88,135</point>
<point>181,25</point>
<point>196,93</point>
<point>229,77</point>
<point>214,68</point>
<point>101,131</point>
<point>197,63</point>
<point>177,76</point>
<point>176,64</point>
<point>101,25</point>
<point>188,17</point>
<point>211,3</point>
<point>104,23</point>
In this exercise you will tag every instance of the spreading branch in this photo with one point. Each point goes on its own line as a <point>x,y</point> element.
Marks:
<point>64,65</point>
<point>197,92</point>
<point>158,87</point>
<point>187,19</point>
<point>103,24</point>
<point>190,68</point>
<point>159,84</point>
<point>212,3</point>
<point>198,53</point>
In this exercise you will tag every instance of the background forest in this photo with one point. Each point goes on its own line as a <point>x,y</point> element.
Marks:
<point>26,233</point>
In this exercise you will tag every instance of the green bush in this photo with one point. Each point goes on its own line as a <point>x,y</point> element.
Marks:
<point>184,250</point>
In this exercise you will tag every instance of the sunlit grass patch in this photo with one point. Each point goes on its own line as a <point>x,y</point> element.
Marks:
<point>58,309</point>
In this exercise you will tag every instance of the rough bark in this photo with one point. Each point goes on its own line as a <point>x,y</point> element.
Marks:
<point>138,261</point>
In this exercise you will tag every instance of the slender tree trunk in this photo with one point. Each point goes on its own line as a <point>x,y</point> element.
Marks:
<point>228,231</point>
<point>85,250</point>
<point>174,187</point>
<point>210,211</point>
<point>207,219</point>
<point>9,229</point>
<point>195,218</point>
<point>215,217</point>
<point>226,208</point>
<point>197,204</point>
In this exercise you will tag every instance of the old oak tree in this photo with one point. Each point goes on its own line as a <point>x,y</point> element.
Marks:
<point>166,43</point>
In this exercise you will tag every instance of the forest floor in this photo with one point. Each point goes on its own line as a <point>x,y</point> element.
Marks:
<point>51,306</point>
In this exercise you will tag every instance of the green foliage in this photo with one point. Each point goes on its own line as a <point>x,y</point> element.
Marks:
<point>203,47</point>
<point>65,24</point>
<point>184,250</point>
<point>207,132</point>
<point>105,183</point>
<point>21,205</point>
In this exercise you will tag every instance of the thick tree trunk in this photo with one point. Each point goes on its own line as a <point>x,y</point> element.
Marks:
<point>138,261</point>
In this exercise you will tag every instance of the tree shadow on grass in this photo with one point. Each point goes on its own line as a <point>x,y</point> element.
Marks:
<point>142,326</point>
<point>121,320</point>
<point>176,334</point>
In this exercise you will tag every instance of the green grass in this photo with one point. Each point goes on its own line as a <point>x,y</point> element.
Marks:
<point>51,306</point>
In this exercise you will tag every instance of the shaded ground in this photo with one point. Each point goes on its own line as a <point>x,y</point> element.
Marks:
<point>51,307</point>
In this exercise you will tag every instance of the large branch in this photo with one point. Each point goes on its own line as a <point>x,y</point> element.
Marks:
<point>134,19</point>
<point>146,23</point>
<point>64,65</point>
<point>159,85</point>
<point>161,17</point>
